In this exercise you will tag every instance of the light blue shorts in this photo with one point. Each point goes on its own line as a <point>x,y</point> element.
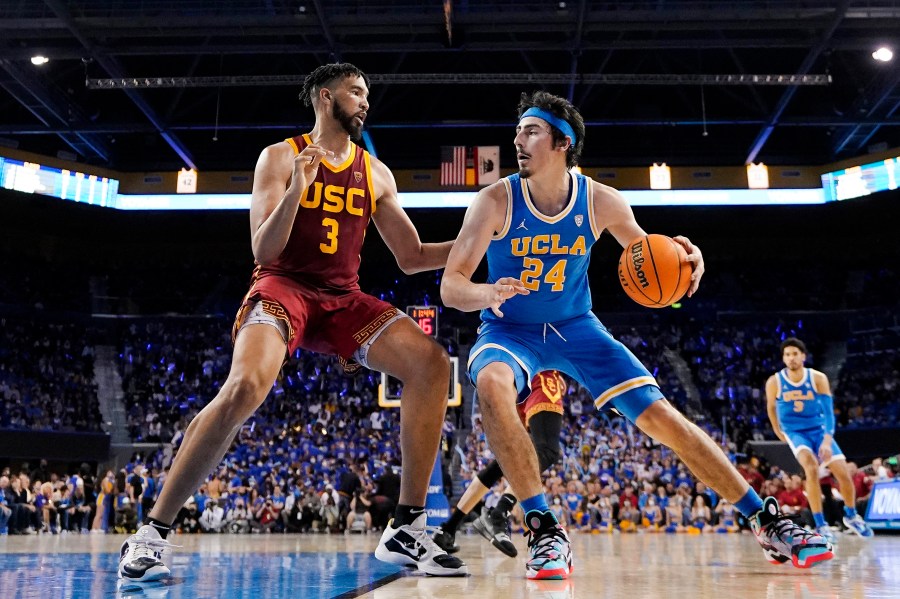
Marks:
<point>580,347</point>
<point>811,439</point>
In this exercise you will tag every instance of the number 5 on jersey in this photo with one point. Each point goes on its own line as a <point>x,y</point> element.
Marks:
<point>534,268</point>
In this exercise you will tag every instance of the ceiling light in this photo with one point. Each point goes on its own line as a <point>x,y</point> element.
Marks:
<point>39,60</point>
<point>882,54</point>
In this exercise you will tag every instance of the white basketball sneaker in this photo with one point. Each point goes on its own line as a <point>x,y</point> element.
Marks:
<point>411,545</point>
<point>145,556</point>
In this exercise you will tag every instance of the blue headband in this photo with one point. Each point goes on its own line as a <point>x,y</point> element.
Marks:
<point>557,122</point>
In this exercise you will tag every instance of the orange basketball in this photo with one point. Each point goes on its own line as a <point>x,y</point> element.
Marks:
<point>654,271</point>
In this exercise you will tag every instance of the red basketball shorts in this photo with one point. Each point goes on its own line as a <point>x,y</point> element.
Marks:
<point>547,391</point>
<point>327,322</point>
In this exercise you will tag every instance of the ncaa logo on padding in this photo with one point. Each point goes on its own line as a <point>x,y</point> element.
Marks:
<point>579,218</point>
<point>357,175</point>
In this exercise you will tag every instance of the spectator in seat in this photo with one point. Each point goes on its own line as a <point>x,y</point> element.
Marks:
<point>213,518</point>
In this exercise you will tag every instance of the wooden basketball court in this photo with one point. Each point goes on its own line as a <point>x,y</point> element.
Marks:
<point>326,567</point>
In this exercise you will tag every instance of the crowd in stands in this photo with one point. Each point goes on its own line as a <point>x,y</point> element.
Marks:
<point>613,478</point>
<point>868,388</point>
<point>320,455</point>
<point>47,376</point>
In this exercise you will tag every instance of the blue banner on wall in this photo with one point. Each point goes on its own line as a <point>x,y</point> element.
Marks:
<point>884,505</point>
<point>436,505</point>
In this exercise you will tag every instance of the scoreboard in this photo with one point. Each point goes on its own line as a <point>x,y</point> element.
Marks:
<point>426,317</point>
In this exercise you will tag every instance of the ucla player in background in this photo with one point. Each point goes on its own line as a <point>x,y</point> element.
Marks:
<point>801,410</point>
<point>537,228</point>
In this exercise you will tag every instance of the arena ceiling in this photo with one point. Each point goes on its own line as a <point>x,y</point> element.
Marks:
<point>147,85</point>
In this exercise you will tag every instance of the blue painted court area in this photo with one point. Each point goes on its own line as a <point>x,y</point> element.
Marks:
<point>197,575</point>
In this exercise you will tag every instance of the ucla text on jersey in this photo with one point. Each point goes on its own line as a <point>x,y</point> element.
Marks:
<point>550,254</point>
<point>798,404</point>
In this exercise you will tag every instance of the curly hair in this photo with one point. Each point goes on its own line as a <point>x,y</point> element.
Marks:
<point>562,108</point>
<point>324,75</point>
<point>793,342</point>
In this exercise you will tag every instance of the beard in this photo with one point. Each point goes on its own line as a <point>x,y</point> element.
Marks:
<point>346,121</point>
<point>525,172</point>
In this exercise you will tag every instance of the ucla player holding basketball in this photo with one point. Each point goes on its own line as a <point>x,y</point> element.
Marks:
<point>537,228</point>
<point>801,411</point>
<point>313,197</point>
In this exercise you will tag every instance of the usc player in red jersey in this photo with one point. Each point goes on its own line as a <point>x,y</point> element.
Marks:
<point>313,197</point>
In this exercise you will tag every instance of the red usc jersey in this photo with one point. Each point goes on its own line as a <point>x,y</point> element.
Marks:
<point>323,250</point>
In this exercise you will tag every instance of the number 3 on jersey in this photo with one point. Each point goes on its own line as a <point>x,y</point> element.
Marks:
<point>331,234</point>
<point>534,268</point>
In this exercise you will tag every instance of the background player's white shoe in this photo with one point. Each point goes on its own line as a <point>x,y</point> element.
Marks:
<point>411,545</point>
<point>826,533</point>
<point>145,556</point>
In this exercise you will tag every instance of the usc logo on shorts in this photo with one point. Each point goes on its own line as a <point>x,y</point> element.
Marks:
<point>336,198</point>
<point>553,385</point>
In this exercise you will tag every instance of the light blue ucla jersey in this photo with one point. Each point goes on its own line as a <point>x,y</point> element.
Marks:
<point>797,403</point>
<point>550,254</point>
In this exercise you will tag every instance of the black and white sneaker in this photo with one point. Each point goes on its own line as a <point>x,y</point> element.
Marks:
<point>145,556</point>
<point>411,545</point>
<point>446,539</point>
<point>494,526</point>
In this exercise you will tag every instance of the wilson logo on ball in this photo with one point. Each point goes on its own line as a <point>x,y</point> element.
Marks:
<point>654,271</point>
<point>637,258</point>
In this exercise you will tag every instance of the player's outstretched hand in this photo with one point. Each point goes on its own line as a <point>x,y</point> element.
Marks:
<point>306,166</point>
<point>502,290</point>
<point>695,258</point>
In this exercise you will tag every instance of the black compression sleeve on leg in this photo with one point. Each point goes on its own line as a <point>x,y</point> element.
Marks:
<point>545,428</point>
<point>490,475</point>
<point>454,521</point>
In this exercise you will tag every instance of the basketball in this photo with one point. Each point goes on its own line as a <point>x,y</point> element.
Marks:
<point>654,271</point>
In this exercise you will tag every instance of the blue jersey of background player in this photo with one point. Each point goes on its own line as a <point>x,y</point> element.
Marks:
<point>536,228</point>
<point>801,410</point>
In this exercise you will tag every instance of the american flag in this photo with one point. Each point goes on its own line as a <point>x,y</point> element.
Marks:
<point>453,165</point>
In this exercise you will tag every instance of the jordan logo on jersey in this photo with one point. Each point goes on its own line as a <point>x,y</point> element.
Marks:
<point>522,225</point>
